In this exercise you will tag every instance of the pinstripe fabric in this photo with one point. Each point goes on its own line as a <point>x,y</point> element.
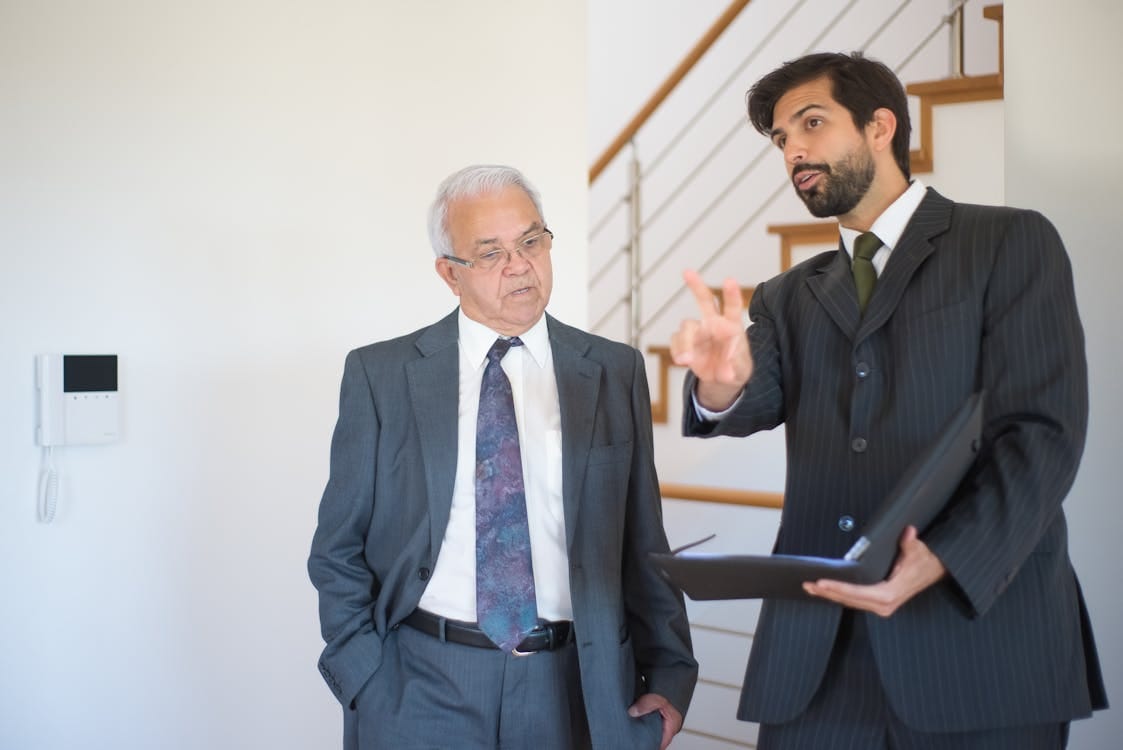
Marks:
<point>850,712</point>
<point>972,298</point>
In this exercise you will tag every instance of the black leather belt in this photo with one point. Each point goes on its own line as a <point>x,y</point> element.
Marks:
<point>546,636</point>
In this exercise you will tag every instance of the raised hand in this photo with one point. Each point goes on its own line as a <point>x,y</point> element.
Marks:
<point>715,348</point>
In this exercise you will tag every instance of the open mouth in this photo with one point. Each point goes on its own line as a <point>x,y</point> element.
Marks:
<point>806,179</point>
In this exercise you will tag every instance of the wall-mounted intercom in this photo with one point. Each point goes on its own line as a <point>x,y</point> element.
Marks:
<point>78,405</point>
<point>78,399</point>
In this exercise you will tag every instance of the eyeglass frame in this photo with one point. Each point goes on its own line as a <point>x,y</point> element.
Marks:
<point>500,249</point>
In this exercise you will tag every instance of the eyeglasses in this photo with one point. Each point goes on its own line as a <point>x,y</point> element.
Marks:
<point>528,247</point>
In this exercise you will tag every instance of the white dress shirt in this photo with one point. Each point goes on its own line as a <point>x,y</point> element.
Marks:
<point>451,591</point>
<point>889,226</point>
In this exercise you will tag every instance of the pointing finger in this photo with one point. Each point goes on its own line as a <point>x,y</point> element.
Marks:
<point>702,294</point>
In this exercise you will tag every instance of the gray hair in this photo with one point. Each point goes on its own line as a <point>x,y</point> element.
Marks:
<point>476,180</point>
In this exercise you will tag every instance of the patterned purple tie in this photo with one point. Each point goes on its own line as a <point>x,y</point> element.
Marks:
<point>505,603</point>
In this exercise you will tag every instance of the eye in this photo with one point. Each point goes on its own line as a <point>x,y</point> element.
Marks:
<point>532,242</point>
<point>814,122</point>
<point>779,141</point>
<point>490,257</point>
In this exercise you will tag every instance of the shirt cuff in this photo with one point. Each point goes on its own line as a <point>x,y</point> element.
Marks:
<point>706,415</point>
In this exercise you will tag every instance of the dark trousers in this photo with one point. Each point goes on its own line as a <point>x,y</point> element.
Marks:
<point>850,712</point>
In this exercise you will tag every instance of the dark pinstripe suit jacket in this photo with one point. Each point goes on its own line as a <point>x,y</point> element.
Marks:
<point>972,298</point>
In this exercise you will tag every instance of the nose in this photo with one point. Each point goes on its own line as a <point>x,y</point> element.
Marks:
<point>516,263</point>
<point>794,151</point>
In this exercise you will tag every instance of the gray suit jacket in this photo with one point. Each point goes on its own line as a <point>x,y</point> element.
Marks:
<point>383,516</point>
<point>973,298</point>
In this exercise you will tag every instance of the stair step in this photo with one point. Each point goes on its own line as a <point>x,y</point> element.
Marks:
<point>947,91</point>
<point>807,233</point>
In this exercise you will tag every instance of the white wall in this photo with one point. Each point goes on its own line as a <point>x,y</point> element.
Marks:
<point>229,194</point>
<point>1063,160</point>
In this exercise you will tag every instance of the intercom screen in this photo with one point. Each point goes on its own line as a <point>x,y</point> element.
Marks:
<point>83,373</point>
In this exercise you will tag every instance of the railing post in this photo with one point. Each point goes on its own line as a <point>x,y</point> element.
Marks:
<point>635,268</point>
<point>955,20</point>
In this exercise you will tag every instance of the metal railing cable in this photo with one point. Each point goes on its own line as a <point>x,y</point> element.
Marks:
<point>884,25</point>
<point>705,213</point>
<point>744,173</point>
<point>946,20</point>
<point>705,265</point>
<point>739,127</point>
<point>603,222</point>
<point>685,66</point>
<point>764,205</point>
<point>721,89</point>
<point>682,132</point>
<point>767,202</point>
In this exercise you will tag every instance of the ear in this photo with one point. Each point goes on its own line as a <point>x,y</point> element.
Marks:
<point>449,274</point>
<point>881,129</point>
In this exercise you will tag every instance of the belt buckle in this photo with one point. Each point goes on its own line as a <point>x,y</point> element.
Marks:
<point>545,630</point>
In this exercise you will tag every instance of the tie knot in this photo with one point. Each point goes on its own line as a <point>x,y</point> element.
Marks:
<point>499,349</point>
<point>866,245</point>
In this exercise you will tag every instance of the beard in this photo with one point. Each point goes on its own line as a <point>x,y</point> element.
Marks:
<point>842,186</point>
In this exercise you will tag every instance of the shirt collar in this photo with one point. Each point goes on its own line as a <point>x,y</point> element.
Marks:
<point>891,224</point>
<point>476,339</point>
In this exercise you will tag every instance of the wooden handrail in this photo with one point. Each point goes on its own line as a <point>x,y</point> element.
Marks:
<point>684,67</point>
<point>751,498</point>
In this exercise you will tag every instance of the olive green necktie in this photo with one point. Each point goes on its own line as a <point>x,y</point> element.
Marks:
<point>865,247</point>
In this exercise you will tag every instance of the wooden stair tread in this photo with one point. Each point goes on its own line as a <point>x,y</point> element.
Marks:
<point>807,232</point>
<point>967,88</point>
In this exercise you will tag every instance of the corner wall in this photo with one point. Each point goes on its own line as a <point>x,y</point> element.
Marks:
<point>229,195</point>
<point>1063,157</point>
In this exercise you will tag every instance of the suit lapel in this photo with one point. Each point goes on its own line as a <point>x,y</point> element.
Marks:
<point>931,218</point>
<point>433,387</point>
<point>833,286</point>
<point>578,380</point>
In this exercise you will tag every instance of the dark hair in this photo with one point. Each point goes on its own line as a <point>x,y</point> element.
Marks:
<point>859,84</point>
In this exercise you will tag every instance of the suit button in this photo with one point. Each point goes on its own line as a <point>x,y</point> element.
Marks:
<point>862,370</point>
<point>858,445</point>
<point>846,523</point>
<point>423,574</point>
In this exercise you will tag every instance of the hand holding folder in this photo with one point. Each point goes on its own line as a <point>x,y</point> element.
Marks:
<point>916,499</point>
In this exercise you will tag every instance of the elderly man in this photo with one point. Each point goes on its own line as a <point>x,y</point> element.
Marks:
<point>481,553</point>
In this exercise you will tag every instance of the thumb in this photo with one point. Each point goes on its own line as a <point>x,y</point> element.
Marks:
<point>647,703</point>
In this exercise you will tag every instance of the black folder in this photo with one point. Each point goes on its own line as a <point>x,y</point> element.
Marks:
<point>916,499</point>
